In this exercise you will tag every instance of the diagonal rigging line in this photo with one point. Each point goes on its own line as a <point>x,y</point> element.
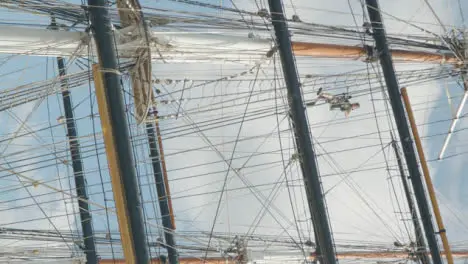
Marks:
<point>255,153</point>
<point>260,145</point>
<point>38,103</point>
<point>257,194</point>
<point>274,192</point>
<point>435,15</point>
<point>187,117</point>
<point>181,97</point>
<point>229,165</point>
<point>57,163</point>
<point>268,199</point>
<point>271,197</point>
<point>455,52</point>
<point>254,189</point>
<point>28,129</point>
<point>24,125</point>
<point>35,182</point>
<point>390,125</point>
<point>210,203</point>
<point>179,235</point>
<point>461,14</point>
<point>39,206</point>
<point>343,178</point>
<point>355,189</point>
<point>285,167</point>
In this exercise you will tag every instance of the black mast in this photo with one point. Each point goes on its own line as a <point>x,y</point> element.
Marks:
<point>421,244</point>
<point>162,194</point>
<point>104,38</point>
<point>80,182</point>
<point>386,63</point>
<point>304,145</point>
<point>77,164</point>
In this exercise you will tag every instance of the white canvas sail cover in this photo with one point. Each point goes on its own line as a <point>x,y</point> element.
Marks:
<point>170,47</point>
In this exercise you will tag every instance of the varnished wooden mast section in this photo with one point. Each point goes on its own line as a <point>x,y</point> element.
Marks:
<point>321,50</point>
<point>116,179</point>
<point>427,176</point>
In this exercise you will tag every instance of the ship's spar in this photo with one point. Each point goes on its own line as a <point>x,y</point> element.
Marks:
<point>187,47</point>
<point>176,46</point>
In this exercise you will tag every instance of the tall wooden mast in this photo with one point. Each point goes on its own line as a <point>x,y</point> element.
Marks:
<point>421,244</point>
<point>116,137</point>
<point>86,219</point>
<point>427,176</point>
<point>306,153</point>
<point>386,63</point>
<point>162,188</point>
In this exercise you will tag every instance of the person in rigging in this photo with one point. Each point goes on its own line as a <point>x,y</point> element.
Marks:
<point>340,101</point>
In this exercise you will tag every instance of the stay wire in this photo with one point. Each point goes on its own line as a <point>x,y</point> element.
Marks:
<point>284,164</point>
<point>227,173</point>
